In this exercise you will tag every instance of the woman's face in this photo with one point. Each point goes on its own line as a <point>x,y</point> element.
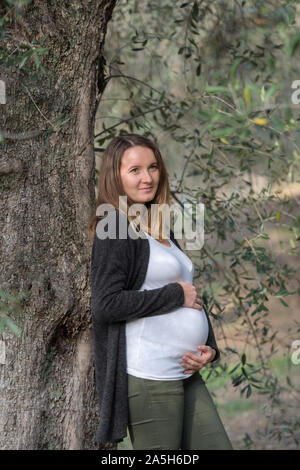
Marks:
<point>139,170</point>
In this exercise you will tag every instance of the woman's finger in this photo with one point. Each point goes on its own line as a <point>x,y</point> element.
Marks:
<point>192,363</point>
<point>187,366</point>
<point>198,303</point>
<point>194,358</point>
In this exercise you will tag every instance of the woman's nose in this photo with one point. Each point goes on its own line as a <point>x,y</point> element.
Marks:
<point>146,177</point>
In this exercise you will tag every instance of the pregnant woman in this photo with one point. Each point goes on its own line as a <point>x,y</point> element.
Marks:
<point>151,332</point>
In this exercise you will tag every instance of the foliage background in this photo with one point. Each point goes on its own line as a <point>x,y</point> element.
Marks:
<point>211,82</point>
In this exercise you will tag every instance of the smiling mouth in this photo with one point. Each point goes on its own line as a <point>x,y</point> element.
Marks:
<point>146,189</point>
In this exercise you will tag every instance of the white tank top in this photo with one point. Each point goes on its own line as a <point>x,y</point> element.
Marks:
<point>155,345</point>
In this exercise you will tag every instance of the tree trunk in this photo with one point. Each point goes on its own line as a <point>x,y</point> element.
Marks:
<point>48,398</point>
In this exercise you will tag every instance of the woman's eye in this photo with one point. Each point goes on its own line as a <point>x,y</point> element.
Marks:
<point>152,166</point>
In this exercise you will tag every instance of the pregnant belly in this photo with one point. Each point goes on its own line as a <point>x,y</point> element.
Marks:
<point>188,328</point>
<point>155,345</point>
<point>177,332</point>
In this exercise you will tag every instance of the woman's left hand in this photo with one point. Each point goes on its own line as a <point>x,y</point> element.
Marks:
<point>193,362</point>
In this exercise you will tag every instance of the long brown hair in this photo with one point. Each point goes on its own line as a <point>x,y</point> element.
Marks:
<point>109,181</point>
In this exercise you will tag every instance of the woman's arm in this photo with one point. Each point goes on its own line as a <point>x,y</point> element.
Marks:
<point>110,301</point>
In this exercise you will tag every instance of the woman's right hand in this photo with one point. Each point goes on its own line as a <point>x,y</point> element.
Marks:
<point>191,298</point>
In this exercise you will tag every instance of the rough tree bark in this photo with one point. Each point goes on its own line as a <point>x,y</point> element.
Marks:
<point>48,398</point>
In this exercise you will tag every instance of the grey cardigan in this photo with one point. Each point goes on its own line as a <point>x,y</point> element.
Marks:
<point>118,270</point>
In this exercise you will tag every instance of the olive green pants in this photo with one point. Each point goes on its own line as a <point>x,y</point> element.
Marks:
<point>175,414</point>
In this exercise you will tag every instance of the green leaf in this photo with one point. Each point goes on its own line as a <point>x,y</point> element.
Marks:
<point>234,68</point>
<point>277,124</point>
<point>217,89</point>
<point>224,132</point>
<point>12,326</point>
<point>292,243</point>
<point>36,59</point>
<point>282,292</point>
<point>237,380</point>
<point>22,63</point>
<point>272,90</point>
<point>288,115</point>
<point>293,45</point>
<point>261,307</point>
<point>2,324</point>
<point>202,115</point>
<point>247,96</point>
<point>283,303</point>
<point>234,369</point>
<point>288,380</point>
<point>195,9</point>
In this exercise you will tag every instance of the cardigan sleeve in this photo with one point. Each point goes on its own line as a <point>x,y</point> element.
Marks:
<point>110,300</point>
<point>211,340</point>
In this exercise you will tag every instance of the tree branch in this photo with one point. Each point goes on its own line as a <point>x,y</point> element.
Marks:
<point>130,119</point>
<point>20,136</point>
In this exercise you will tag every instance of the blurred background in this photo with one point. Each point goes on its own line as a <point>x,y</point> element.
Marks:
<point>215,85</point>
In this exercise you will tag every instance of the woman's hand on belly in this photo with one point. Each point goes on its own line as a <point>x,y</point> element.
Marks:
<point>191,298</point>
<point>193,362</point>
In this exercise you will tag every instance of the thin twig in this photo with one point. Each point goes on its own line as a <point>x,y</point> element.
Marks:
<point>129,119</point>
<point>134,79</point>
<point>42,114</point>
